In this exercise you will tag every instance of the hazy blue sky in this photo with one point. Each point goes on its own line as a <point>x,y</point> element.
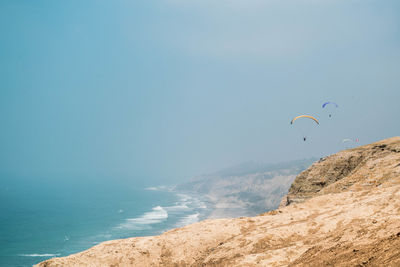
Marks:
<point>169,89</point>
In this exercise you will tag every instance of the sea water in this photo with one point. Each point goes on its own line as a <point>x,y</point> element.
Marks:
<point>39,221</point>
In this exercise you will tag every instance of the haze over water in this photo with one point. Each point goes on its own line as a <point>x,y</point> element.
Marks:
<point>101,99</point>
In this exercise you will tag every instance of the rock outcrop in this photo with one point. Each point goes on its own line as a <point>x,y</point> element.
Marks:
<point>369,165</point>
<point>343,211</point>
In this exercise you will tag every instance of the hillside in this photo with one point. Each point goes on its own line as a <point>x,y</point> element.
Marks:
<point>342,211</point>
<point>365,166</point>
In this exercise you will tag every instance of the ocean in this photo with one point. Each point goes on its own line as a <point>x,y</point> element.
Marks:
<point>39,221</point>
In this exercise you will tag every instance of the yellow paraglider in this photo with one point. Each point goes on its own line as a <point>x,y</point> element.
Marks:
<point>304,116</point>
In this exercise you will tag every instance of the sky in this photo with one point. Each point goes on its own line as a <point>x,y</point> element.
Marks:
<point>168,89</point>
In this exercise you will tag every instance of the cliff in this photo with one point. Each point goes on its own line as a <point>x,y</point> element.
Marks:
<point>366,166</point>
<point>342,211</point>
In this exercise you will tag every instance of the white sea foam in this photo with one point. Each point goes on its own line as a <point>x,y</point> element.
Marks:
<point>202,205</point>
<point>159,188</point>
<point>189,219</point>
<point>186,210</point>
<point>184,197</point>
<point>39,255</point>
<point>152,188</point>
<point>157,215</point>
<point>179,207</point>
<point>199,204</point>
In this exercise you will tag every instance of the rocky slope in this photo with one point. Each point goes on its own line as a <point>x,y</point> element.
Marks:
<point>343,211</point>
<point>369,165</point>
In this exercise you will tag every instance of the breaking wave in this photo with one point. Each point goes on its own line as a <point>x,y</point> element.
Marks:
<point>39,255</point>
<point>189,219</point>
<point>157,215</point>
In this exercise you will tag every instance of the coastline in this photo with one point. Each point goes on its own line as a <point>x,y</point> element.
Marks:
<point>165,208</point>
<point>344,220</point>
<point>145,214</point>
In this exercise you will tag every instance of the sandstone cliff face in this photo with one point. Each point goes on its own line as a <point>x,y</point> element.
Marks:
<point>344,211</point>
<point>369,165</point>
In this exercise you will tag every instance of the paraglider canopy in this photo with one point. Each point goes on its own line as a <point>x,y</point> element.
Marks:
<point>304,116</point>
<point>308,117</point>
<point>332,103</point>
<point>350,140</point>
